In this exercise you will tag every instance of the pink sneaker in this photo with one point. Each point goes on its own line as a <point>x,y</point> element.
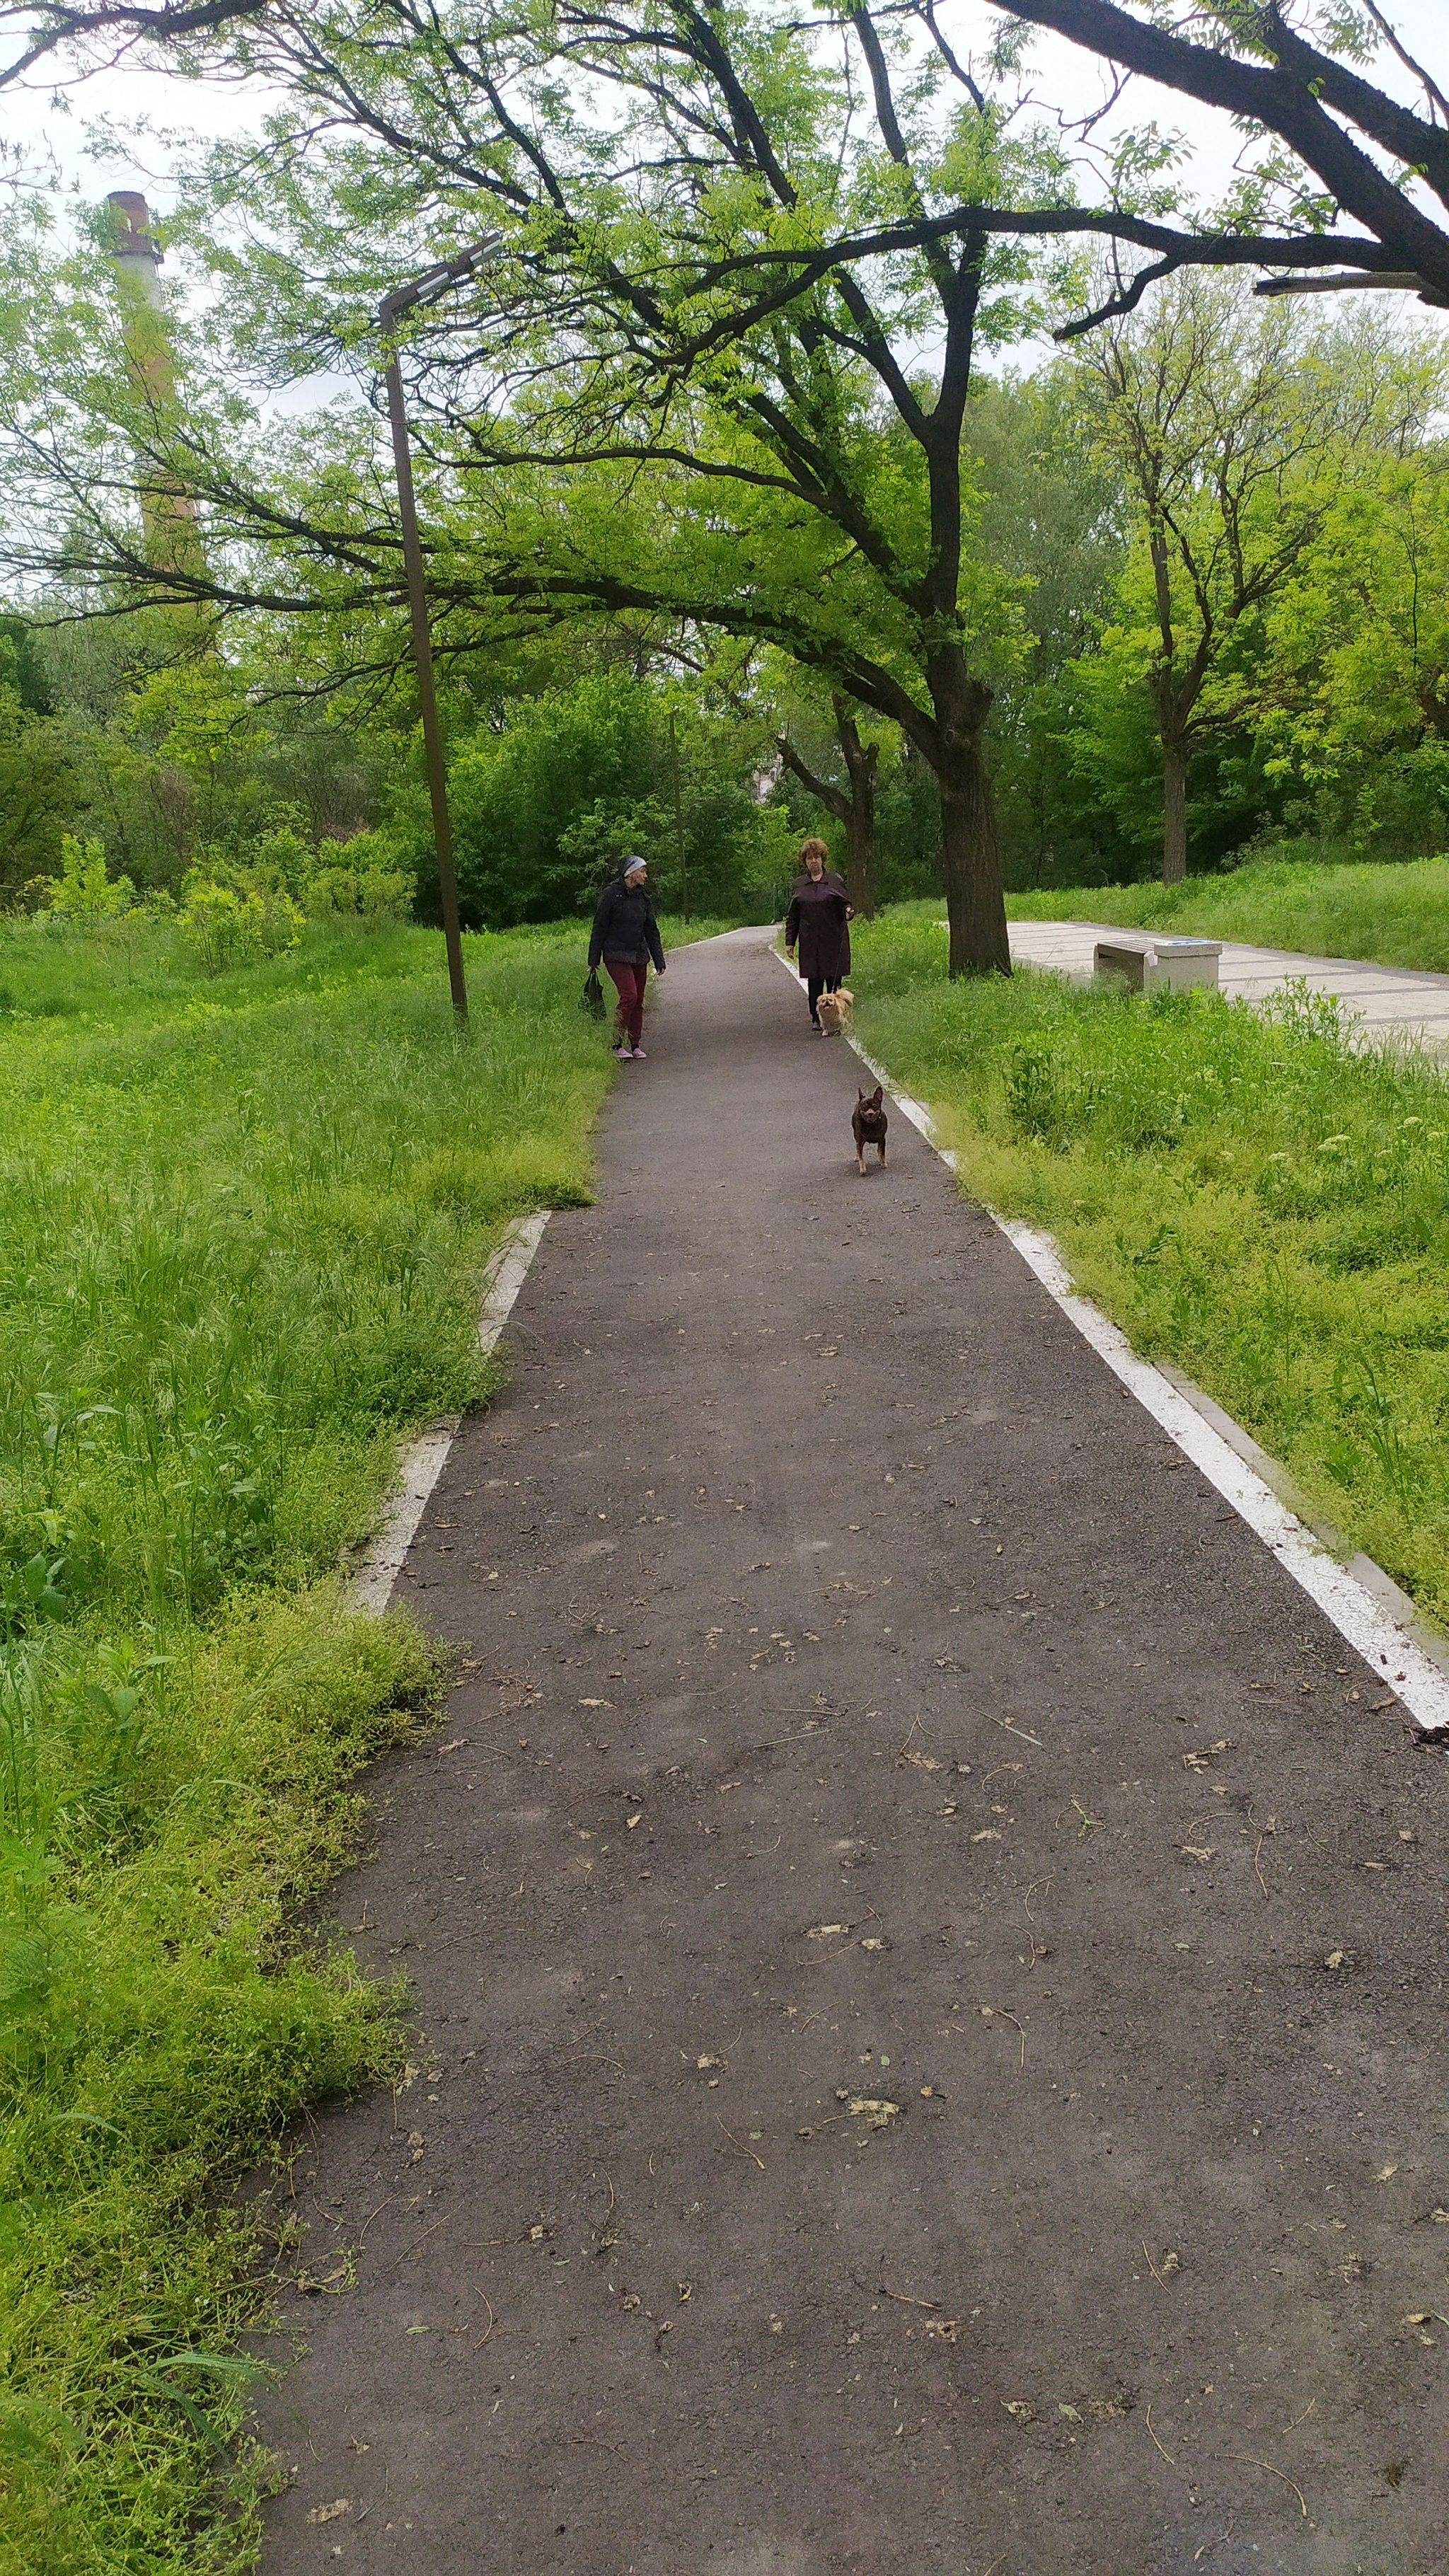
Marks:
<point>623,1054</point>
<point>640,1056</point>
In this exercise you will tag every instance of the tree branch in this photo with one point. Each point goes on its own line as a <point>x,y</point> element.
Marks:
<point>832,798</point>
<point>1285,98</point>
<point>943,276</point>
<point>69,26</point>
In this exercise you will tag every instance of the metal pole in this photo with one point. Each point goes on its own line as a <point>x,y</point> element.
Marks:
<point>427,697</point>
<point>678,815</point>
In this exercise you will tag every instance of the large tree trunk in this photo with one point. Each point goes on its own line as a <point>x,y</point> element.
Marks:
<point>860,860</point>
<point>1174,803</point>
<point>855,811</point>
<point>859,812</point>
<point>970,852</point>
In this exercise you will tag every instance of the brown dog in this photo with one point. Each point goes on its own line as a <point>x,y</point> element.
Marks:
<point>868,1126</point>
<point>833,1011</point>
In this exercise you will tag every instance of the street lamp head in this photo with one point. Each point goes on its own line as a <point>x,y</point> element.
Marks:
<point>437,281</point>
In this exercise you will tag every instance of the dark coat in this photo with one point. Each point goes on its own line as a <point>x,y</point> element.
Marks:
<point>817,920</point>
<point>625,928</point>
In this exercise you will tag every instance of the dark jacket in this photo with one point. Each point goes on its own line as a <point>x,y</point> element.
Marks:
<point>625,928</point>
<point>817,920</point>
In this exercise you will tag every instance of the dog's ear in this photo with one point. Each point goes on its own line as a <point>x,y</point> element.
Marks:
<point>877,1097</point>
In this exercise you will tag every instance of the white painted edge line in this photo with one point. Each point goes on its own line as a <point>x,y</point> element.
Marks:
<point>1414,1676</point>
<point>423,1460</point>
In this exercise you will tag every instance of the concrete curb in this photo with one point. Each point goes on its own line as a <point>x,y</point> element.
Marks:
<point>423,1459</point>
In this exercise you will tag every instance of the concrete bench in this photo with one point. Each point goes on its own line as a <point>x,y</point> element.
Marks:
<point>1147,962</point>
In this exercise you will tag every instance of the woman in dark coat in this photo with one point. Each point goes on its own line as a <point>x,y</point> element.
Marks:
<point>626,935</point>
<point>817,919</point>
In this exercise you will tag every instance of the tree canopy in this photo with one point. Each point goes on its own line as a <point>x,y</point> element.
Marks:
<point>723,376</point>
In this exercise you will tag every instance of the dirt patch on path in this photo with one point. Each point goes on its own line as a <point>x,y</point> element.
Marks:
<point>928,1950</point>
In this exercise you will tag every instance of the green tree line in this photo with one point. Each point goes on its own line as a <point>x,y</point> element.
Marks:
<point>730,431</point>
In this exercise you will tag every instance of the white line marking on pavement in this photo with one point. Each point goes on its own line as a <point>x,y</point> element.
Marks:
<point>1415,1677</point>
<point>423,1460</point>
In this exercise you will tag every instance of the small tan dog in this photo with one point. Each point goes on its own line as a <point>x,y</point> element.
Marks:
<point>833,1012</point>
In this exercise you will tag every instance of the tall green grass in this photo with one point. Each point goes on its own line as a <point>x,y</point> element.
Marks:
<point>1395,915</point>
<point>242,1224</point>
<point>1247,1195</point>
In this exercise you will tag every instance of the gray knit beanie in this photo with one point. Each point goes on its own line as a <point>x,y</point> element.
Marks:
<point>631,864</point>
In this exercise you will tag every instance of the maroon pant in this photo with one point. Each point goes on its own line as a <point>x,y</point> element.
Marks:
<point>631,981</point>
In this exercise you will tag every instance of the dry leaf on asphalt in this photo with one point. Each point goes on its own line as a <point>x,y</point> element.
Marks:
<point>329,2512</point>
<point>1019,2411</point>
<point>876,2115</point>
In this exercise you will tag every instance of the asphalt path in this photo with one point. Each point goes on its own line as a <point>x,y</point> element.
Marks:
<point>928,1952</point>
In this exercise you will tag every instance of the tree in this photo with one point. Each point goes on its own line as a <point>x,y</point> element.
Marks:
<point>1360,740</point>
<point>546,803</point>
<point>1307,87</point>
<point>709,273</point>
<point>658,338</point>
<point>1235,426</point>
<point>851,803</point>
<point>1055,518</point>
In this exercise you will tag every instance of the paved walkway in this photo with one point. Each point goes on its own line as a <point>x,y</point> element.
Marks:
<point>928,1951</point>
<point>1387,1001</point>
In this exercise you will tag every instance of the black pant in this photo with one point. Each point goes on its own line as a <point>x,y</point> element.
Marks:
<point>817,985</point>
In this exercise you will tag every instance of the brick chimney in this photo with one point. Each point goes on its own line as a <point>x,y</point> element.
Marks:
<point>173,540</point>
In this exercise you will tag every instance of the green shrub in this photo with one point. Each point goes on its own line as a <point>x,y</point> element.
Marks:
<point>83,891</point>
<point>356,879</point>
<point>227,925</point>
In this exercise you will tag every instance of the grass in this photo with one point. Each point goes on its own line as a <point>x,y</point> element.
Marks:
<point>242,1223</point>
<point>1395,915</point>
<point>1246,1195</point>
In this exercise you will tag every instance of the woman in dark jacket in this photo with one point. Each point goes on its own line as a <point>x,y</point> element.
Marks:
<point>818,918</point>
<point>626,935</point>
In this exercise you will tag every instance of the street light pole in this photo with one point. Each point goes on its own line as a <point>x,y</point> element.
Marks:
<point>404,299</point>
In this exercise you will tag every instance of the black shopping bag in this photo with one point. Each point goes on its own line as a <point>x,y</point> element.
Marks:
<point>591,999</point>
